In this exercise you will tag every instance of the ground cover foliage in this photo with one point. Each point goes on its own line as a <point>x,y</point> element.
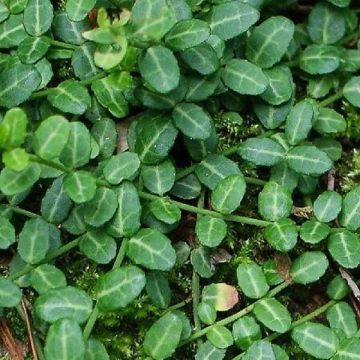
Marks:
<point>178,178</point>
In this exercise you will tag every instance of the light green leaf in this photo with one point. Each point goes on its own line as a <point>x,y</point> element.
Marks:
<point>273,315</point>
<point>98,246</point>
<point>70,96</point>
<point>34,241</point>
<point>262,151</point>
<point>4,12</point>
<point>221,296</point>
<point>350,215</point>
<point>246,331</point>
<point>348,350</point>
<point>186,34</point>
<point>329,122</point>
<point>95,350</point>
<point>105,134</point>
<point>308,160</point>
<point>64,341</point>
<point>192,121</point>
<point>309,267</point>
<point>67,302</point>
<point>51,137</point>
<point>165,211</point>
<point>7,233</point>
<point>252,281</point>
<point>118,288</point>
<point>274,202</point>
<point>269,41</point>
<point>151,249</point>
<point>14,126</point>
<point>206,313</point>
<point>260,350</point>
<point>159,67</point>
<point>342,317</point>
<point>207,351</point>
<point>231,19</point>
<point>12,31</point>
<point>163,337</point>
<point>220,337</point>
<point>158,289</point>
<point>38,16</point>
<point>282,235</point>
<point>32,49</point>
<point>16,159</point>
<point>228,194</point>
<point>351,91</point>
<point>46,277</point>
<point>82,61</point>
<point>327,206</point>
<point>344,247</point>
<point>210,231</point>
<point>316,339</point>
<point>78,9</point>
<point>10,294</point>
<point>313,231</point>
<point>80,186</point>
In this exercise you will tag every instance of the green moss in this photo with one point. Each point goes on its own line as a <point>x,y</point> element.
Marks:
<point>348,170</point>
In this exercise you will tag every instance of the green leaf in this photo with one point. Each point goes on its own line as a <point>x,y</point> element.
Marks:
<point>246,331</point>
<point>46,277</point>
<point>16,159</point>
<point>231,19</point>
<point>313,231</point>
<point>228,194</point>
<point>329,122</point>
<point>274,202</point>
<point>82,61</point>
<point>331,147</point>
<point>200,260</point>
<point>316,339</point>
<point>71,97</point>
<point>350,215</point>
<point>64,341</point>
<point>342,317</point>
<point>337,288</point>
<point>299,122</point>
<point>110,95</point>
<point>165,210</point>
<point>192,121</point>
<point>215,168</point>
<point>32,49</point>
<point>207,351</point>
<point>261,350</point>
<point>351,91</point>
<point>326,24</point>
<point>12,31</point>
<point>262,151</point>
<point>252,281</point>
<point>284,176</point>
<point>158,289</point>
<point>95,350</point>
<point>340,3</point>
<point>98,246</point>
<point>282,235</point>
<point>80,186</point>
<point>344,247</point>
<point>51,137</point>
<point>118,288</point>
<point>280,87</point>
<point>309,267</point>
<point>201,87</point>
<point>163,337</point>
<point>105,134</point>
<point>186,34</point>
<point>220,337</point>
<point>4,12</point>
<point>38,16</point>
<point>151,249</point>
<point>155,140</point>
<point>78,9</point>
<point>10,294</point>
<point>244,77</point>
<point>14,125</point>
<point>101,208</point>
<point>206,313</point>
<point>269,41</point>
<point>273,315</point>
<point>187,188</point>
<point>210,231</point>
<point>308,160</point>
<point>201,58</point>
<point>66,302</point>
<point>126,220</point>
<point>75,223</point>
<point>159,179</point>
<point>221,296</point>
<point>348,350</point>
<point>327,206</point>
<point>14,182</point>
<point>56,204</point>
<point>34,241</point>
<point>150,20</point>
<point>159,67</point>
<point>7,233</point>
<point>17,84</point>
<point>320,59</point>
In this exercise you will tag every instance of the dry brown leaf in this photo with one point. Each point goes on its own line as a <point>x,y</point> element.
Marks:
<point>283,264</point>
<point>14,349</point>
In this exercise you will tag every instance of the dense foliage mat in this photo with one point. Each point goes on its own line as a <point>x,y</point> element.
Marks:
<point>112,150</point>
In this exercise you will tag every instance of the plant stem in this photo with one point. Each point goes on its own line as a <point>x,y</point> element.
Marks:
<point>21,211</point>
<point>196,210</point>
<point>331,99</point>
<point>178,305</point>
<point>230,319</point>
<point>95,313</point>
<point>63,45</point>
<point>296,323</point>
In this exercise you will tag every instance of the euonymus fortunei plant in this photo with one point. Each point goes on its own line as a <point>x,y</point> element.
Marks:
<point>110,115</point>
